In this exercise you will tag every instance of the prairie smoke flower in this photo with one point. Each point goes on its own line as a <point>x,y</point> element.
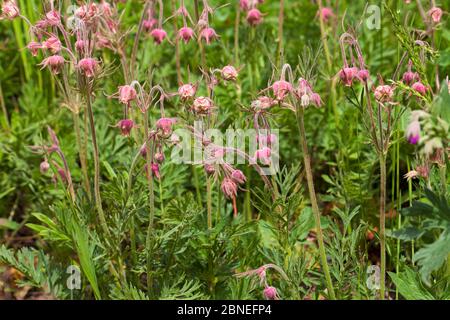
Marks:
<point>409,77</point>
<point>270,293</point>
<point>435,14</point>
<point>229,188</point>
<point>229,73</point>
<point>262,103</point>
<point>158,35</point>
<point>263,155</point>
<point>53,44</point>
<point>209,169</point>
<point>421,171</point>
<point>254,17</point>
<point>10,10</point>
<point>159,157</point>
<point>419,87</point>
<point>244,4</point>
<point>265,140</point>
<point>34,47</point>
<point>53,18</point>
<point>384,93</point>
<point>80,45</point>
<point>54,63</point>
<point>306,95</point>
<point>127,94</point>
<point>88,66</point>
<point>125,127</point>
<point>363,75</point>
<point>155,170</point>
<point>208,34</point>
<point>187,91</point>
<point>347,75</point>
<point>149,24</point>
<point>44,166</point>
<point>202,105</point>
<point>238,177</point>
<point>165,125</point>
<point>41,24</point>
<point>186,34</point>
<point>327,14</point>
<point>413,132</point>
<point>281,88</point>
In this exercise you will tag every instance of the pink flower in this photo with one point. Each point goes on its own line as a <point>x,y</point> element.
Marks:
<point>54,62</point>
<point>238,177</point>
<point>186,34</point>
<point>53,44</point>
<point>209,169</point>
<point>435,14</point>
<point>202,105</point>
<point>41,24</point>
<point>254,17</point>
<point>208,34</point>
<point>229,73</point>
<point>155,170</point>
<point>281,88</point>
<point>159,157</point>
<point>347,75</point>
<point>244,4</point>
<point>125,127</point>
<point>363,75</point>
<point>88,66</point>
<point>270,293</point>
<point>127,94</point>
<point>419,87</point>
<point>80,45</point>
<point>53,18</point>
<point>158,35</point>
<point>263,155</point>
<point>409,77</point>
<point>384,93</point>
<point>165,125</point>
<point>413,132</point>
<point>34,47</point>
<point>263,103</point>
<point>187,91</point>
<point>150,24</point>
<point>10,10</point>
<point>327,14</point>
<point>44,166</point>
<point>229,188</point>
<point>316,100</point>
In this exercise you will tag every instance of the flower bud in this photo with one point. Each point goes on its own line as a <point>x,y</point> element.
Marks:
<point>165,125</point>
<point>270,293</point>
<point>281,88</point>
<point>208,34</point>
<point>229,188</point>
<point>187,91</point>
<point>186,34</point>
<point>202,105</point>
<point>229,73</point>
<point>254,17</point>
<point>127,94</point>
<point>384,93</point>
<point>238,177</point>
<point>347,75</point>
<point>54,63</point>
<point>44,166</point>
<point>419,87</point>
<point>150,24</point>
<point>53,18</point>
<point>158,35</point>
<point>53,44</point>
<point>88,66</point>
<point>125,127</point>
<point>34,47</point>
<point>10,10</point>
<point>435,14</point>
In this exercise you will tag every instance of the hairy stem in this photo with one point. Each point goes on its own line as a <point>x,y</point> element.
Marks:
<point>382,224</point>
<point>312,195</point>
<point>280,33</point>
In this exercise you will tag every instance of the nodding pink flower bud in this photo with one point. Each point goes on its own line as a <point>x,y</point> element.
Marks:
<point>187,91</point>
<point>347,75</point>
<point>254,17</point>
<point>413,132</point>
<point>53,44</point>
<point>159,157</point>
<point>182,11</point>
<point>165,125</point>
<point>158,35</point>
<point>41,24</point>
<point>435,14</point>
<point>53,18</point>
<point>44,166</point>
<point>238,177</point>
<point>34,47</point>
<point>316,100</point>
<point>88,66</point>
<point>127,94</point>
<point>229,188</point>
<point>150,24</point>
<point>419,87</point>
<point>155,170</point>
<point>263,155</point>
<point>209,169</point>
<point>186,34</point>
<point>263,103</point>
<point>208,34</point>
<point>409,77</point>
<point>105,8</point>
<point>281,88</point>
<point>384,93</point>
<point>244,4</point>
<point>202,105</point>
<point>143,151</point>
<point>363,75</point>
<point>54,63</point>
<point>270,293</point>
<point>10,10</point>
<point>229,73</point>
<point>80,45</point>
<point>125,127</point>
<point>62,175</point>
<point>327,14</point>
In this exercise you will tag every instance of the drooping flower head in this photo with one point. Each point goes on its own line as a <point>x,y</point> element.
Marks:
<point>347,75</point>
<point>187,91</point>
<point>165,126</point>
<point>238,177</point>
<point>208,34</point>
<point>10,10</point>
<point>202,105</point>
<point>53,44</point>
<point>34,47</point>
<point>125,126</point>
<point>186,34</point>
<point>327,14</point>
<point>270,293</point>
<point>44,166</point>
<point>54,63</point>
<point>419,87</point>
<point>53,18</point>
<point>254,17</point>
<point>384,93</point>
<point>229,188</point>
<point>229,73</point>
<point>158,35</point>
<point>88,66</point>
<point>281,89</point>
<point>127,94</point>
<point>435,14</point>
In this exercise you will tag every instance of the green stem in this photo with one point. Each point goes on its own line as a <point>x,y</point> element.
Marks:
<point>382,224</point>
<point>280,34</point>
<point>313,199</point>
<point>82,154</point>
<point>209,201</point>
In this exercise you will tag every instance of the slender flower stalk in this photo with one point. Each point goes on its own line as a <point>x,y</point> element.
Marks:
<point>280,51</point>
<point>313,199</point>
